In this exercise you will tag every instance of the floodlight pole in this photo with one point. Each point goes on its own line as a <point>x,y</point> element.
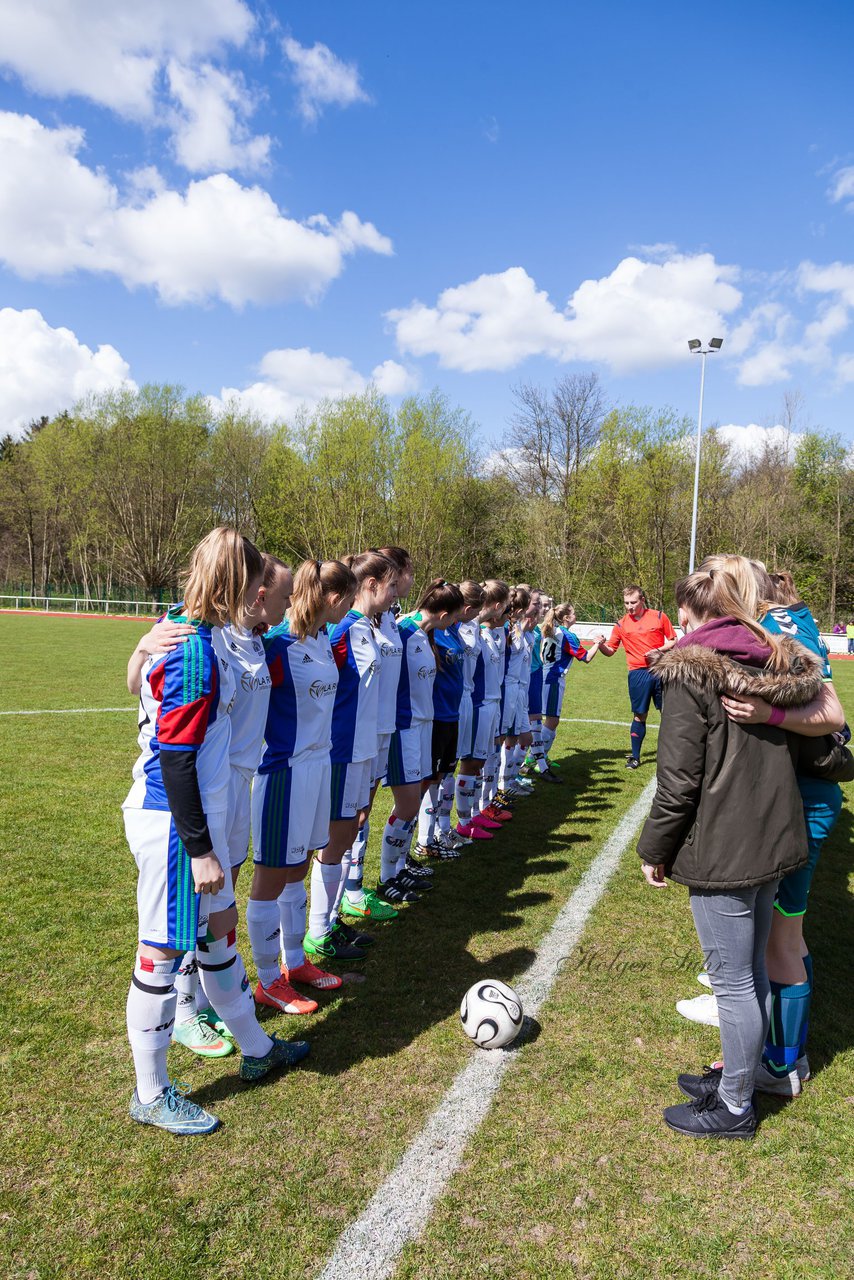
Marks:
<point>698,349</point>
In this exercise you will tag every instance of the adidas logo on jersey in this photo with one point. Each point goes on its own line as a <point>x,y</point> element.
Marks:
<point>418,648</point>
<point>306,657</point>
<point>232,646</point>
<point>364,640</point>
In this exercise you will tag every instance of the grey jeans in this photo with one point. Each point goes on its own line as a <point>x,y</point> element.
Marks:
<point>733,929</point>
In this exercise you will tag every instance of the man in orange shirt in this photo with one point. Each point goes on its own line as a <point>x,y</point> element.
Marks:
<point>640,631</point>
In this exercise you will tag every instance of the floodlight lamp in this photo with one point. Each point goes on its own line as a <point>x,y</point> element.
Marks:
<point>694,344</point>
<point>716,344</point>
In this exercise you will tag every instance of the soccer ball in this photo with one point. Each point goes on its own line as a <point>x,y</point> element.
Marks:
<point>491,1014</point>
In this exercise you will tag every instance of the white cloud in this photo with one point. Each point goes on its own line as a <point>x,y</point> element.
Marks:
<point>209,130</point>
<point>842,187</point>
<point>124,55</point>
<point>296,377</point>
<point>640,316</point>
<point>783,346</point>
<point>45,370</point>
<point>322,79</point>
<point>836,277</point>
<point>750,441</point>
<point>216,240</point>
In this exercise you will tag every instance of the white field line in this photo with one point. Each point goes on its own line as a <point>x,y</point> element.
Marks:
<point>401,1207</point>
<point>69,711</point>
<point>618,724</point>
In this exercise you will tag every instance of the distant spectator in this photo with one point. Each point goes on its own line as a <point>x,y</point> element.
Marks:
<point>838,630</point>
<point>849,631</point>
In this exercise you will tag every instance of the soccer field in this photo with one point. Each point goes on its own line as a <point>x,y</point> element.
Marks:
<point>571,1174</point>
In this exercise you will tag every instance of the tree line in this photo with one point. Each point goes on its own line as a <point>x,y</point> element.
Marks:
<point>107,500</point>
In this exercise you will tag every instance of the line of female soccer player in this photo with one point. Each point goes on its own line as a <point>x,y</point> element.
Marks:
<point>278,704</point>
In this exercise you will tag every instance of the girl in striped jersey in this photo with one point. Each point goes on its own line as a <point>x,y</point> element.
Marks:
<point>359,903</point>
<point>479,740</point>
<point>410,761</point>
<point>291,797</point>
<point>560,646</point>
<point>451,653</point>
<point>238,644</point>
<point>355,644</point>
<point>176,825</point>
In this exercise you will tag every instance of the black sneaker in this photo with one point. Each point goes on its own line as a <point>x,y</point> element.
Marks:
<point>418,869</point>
<point>352,936</point>
<point>632,763</point>
<point>696,1086</point>
<point>708,1117</point>
<point>406,880</point>
<point>395,894</point>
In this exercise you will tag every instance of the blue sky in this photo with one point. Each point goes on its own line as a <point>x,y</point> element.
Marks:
<point>275,202</point>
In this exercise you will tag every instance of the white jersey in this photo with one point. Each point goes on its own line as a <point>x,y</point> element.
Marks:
<point>418,671</point>
<point>469,633</point>
<point>528,641</point>
<point>245,652</point>
<point>356,649</point>
<point>391,651</point>
<point>516,646</point>
<point>492,648</point>
<point>304,681</point>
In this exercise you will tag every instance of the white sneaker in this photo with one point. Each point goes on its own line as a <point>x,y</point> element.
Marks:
<point>788,1086</point>
<point>701,1009</point>
<point>704,980</point>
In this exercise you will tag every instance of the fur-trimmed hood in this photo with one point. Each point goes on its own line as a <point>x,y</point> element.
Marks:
<point>717,673</point>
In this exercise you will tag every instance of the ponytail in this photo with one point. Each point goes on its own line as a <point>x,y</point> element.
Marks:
<point>314,582</point>
<point>714,593</point>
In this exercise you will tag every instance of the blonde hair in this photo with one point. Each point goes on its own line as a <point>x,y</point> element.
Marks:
<point>495,591</point>
<point>785,591</point>
<point>557,613</point>
<point>314,582</point>
<point>473,593</point>
<point>221,568</point>
<point>714,593</point>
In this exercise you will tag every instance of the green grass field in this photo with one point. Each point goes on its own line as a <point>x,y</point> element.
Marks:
<point>573,1173</point>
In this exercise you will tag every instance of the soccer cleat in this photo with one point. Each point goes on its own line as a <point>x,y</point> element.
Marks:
<point>282,1053</point>
<point>443,850</point>
<point>702,1009</point>
<point>200,1037</point>
<point>470,832</point>
<point>282,996</point>
<point>173,1111</point>
<point>453,840</point>
<point>331,947</point>
<point>787,1086</point>
<point>513,791</point>
<point>212,1018</point>
<point>352,936</point>
<point>370,908</point>
<point>632,763</point>
<point>497,812</point>
<point>407,880</point>
<point>696,1086</point>
<point>314,977</point>
<point>548,776</point>
<point>709,1117</point>
<point>417,869</point>
<point>395,894</point>
<point>527,771</point>
<point>485,823</point>
<point>526,783</point>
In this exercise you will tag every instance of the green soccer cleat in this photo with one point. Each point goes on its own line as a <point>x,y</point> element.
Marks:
<point>212,1018</point>
<point>200,1038</point>
<point>282,1053</point>
<point>332,947</point>
<point>174,1112</point>
<point>371,908</point>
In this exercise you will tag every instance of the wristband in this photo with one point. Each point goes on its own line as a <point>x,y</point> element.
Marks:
<point>777,716</point>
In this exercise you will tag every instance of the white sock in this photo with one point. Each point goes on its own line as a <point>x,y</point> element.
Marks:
<point>465,790</point>
<point>518,758</point>
<point>325,879</point>
<point>549,736</point>
<point>187,986</point>
<point>150,1018</point>
<point>446,803</point>
<point>506,772</point>
<point>292,904</point>
<point>736,1111</point>
<point>478,801</point>
<point>265,938</point>
<point>226,987</point>
<point>394,840</point>
<point>407,830</point>
<point>427,814</point>
<point>344,872</point>
<point>537,749</point>
<point>490,774</point>
<point>354,888</point>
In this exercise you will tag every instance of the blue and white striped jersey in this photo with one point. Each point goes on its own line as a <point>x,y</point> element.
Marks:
<point>356,649</point>
<point>417,673</point>
<point>304,681</point>
<point>391,652</point>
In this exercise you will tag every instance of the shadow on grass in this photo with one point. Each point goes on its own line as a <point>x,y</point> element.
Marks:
<point>422,963</point>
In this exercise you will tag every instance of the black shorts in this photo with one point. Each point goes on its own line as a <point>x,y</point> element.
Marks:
<point>445,733</point>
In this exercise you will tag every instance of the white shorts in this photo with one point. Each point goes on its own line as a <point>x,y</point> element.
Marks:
<point>350,789</point>
<point>290,812</point>
<point>522,723</point>
<point>508,706</point>
<point>464,732</point>
<point>239,816</point>
<point>379,764</point>
<point>410,757</point>
<point>484,727</point>
<point>171,914</point>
